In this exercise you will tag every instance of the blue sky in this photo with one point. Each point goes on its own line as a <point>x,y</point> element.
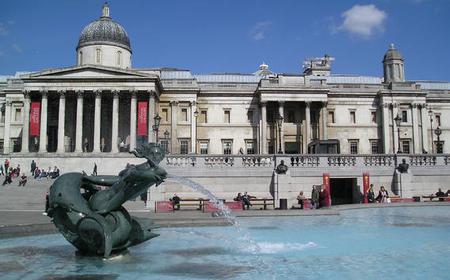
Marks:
<point>208,36</point>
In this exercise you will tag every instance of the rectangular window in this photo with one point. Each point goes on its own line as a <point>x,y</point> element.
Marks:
<point>438,120</point>
<point>98,55</point>
<point>330,116</point>
<point>204,147</point>
<point>164,115</point>
<point>374,144</point>
<point>352,116</point>
<point>374,116</point>
<point>405,146</point>
<point>227,146</point>
<point>404,116</point>
<point>184,114</point>
<point>353,146</point>
<point>250,116</point>
<point>203,116</point>
<point>165,145</point>
<point>184,147</point>
<point>226,116</point>
<point>18,114</point>
<point>291,116</point>
<point>271,147</point>
<point>250,146</point>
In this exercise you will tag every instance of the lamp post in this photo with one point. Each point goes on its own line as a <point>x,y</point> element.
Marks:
<point>279,124</point>
<point>438,132</point>
<point>196,136</point>
<point>166,137</point>
<point>430,114</point>
<point>398,120</point>
<point>157,120</point>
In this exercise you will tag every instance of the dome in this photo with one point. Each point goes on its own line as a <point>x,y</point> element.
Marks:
<point>104,31</point>
<point>392,54</point>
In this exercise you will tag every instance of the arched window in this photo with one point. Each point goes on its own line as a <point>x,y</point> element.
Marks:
<point>119,58</point>
<point>98,56</point>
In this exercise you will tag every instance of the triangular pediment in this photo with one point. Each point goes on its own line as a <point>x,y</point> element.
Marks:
<point>89,72</point>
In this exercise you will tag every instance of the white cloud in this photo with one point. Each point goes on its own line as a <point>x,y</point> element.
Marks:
<point>17,48</point>
<point>258,31</point>
<point>363,20</point>
<point>3,30</point>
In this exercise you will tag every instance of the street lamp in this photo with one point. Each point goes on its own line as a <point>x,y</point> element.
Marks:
<point>279,124</point>
<point>438,132</point>
<point>157,120</point>
<point>196,136</point>
<point>166,137</point>
<point>430,114</point>
<point>398,120</point>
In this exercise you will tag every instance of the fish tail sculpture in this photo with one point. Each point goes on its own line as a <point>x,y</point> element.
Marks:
<point>92,219</point>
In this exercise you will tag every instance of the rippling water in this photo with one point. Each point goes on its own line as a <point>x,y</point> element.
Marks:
<point>382,243</point>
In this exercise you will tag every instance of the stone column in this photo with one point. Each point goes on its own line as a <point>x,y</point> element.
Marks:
<point>43,132</point>
<point>26,122</point>
<point>61,121</point>
<point>173,127</point>
<point>425,124</point>
<point>115,122</point>
<point>263,124</point>
<point>133,120</point>
<point>386,129</point>
<point>394,127</point>
<point>6,139</point>
<point>79,123</point>
<point>415,123</point>
<point>151,115</point>
<point>97,120</point>
<point>324,114</point>
<point>307,135</point>
<point>281,113</point>
<point>193,127</point>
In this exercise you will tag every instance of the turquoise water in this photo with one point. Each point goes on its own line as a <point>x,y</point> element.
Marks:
<point>380,243</point>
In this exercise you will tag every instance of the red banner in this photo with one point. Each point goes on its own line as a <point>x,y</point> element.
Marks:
<point>326,183</point>
<point>365,186</point>
<point>35,118</point>
<point>142,118</point>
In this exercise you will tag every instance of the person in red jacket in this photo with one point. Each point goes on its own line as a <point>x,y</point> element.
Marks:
<point>324,197</point>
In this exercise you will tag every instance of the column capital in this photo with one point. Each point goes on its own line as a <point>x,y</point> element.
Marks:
<point>324,103</point>
<point>44,93</point>
<point>414,105</point>
<point>151,93</point>
<point>62,93</point>
<point>115,93</point>
<point>133,93</point>
<point>308,104</point>
<point>263,103</point>
<point>26,93</point>
<point>394,104</point>
<point>173,103</point>
<point>79,93</point>
<point>98,93</point>
<point>8,102</point>
<point>281,102</point>
<point>192,103</point>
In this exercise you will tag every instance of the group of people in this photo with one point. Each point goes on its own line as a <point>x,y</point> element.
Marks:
<point>442,194</point>
<point>42,173</point>
<point>10,173</point>
<point>244,199</point>
<point>382,197</point>
<point>320,198</point>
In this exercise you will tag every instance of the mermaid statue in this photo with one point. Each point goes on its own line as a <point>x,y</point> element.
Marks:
<point>88,210</point>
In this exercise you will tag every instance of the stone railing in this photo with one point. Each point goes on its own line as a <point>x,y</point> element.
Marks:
<point>306,161</point>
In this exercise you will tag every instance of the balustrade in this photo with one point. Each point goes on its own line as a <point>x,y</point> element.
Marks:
<point>422,160</point>
<point>379,160</point>
<point>341,161</point>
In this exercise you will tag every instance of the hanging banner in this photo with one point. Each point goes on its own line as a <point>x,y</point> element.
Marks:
<point>365,186</point>
<point>35,118</point>
<point>326,183</point>
<point>142,118</point>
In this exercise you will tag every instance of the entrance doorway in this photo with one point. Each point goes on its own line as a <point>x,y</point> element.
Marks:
<point>343,191</point>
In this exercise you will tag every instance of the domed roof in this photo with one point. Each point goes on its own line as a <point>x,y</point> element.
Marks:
<point>104,31</point>
<point>392,54</point>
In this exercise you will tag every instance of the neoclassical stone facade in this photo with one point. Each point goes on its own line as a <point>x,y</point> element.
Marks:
<point>104,105</point>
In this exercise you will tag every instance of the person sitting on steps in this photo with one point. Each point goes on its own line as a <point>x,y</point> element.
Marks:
<point>175,202</point>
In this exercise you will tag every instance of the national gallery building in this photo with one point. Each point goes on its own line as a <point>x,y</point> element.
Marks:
<point>104,105</point>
